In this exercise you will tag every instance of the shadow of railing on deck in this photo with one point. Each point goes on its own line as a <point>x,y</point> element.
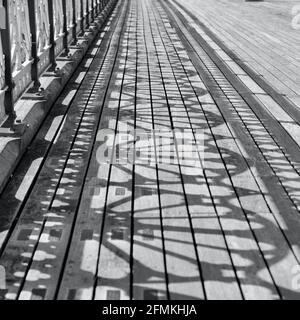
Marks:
<point>226,207</point>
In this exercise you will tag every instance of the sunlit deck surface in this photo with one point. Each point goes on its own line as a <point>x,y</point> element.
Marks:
<point>226,226</point>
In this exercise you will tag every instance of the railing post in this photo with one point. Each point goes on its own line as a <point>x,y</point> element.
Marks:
<point>8,100</point>
<point>74,33</point>
<point>87,23</point>
<point>96,7</point>
<point>65,27</point>
<point>51,35</point>
<point>93,9</point>
<point>34,53</point>
<point>81,17</point>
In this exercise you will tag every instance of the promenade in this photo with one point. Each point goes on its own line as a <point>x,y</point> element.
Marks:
<point>222,223</point>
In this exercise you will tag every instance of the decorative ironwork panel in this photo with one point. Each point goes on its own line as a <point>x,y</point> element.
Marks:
<point>33,40</point>
<point>2,66</point>
<point>85,7</point>
<point>42,25</point>
<point>19,33</point>
<point>2,63</point>
<point>58,14</point>
<point>58,18</point>
<point>69,14</point>
<point>21,45</point>
<point>78,9</point>
<point>2,60</point>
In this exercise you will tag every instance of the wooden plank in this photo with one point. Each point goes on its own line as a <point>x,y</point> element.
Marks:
<point>149,279</point>
<point>82,262</point>
<point>206,226</point>
<point>231,229</point>
<point>114,269</point>
<point>184,280</point>
<point>245,180</point>
<point>281,116</point>
<point>254,278</point>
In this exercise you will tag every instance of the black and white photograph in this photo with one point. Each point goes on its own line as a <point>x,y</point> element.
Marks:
<point>149,152</point>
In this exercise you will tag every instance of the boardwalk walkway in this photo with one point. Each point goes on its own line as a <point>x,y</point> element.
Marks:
<point>224,227</point>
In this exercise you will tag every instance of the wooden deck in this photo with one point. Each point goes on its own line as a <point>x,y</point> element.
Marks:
<point>74,227</point>
<point>260,33</point>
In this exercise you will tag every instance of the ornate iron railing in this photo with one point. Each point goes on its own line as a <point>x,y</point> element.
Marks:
<point>33,33</point>
<point>2,61</point>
